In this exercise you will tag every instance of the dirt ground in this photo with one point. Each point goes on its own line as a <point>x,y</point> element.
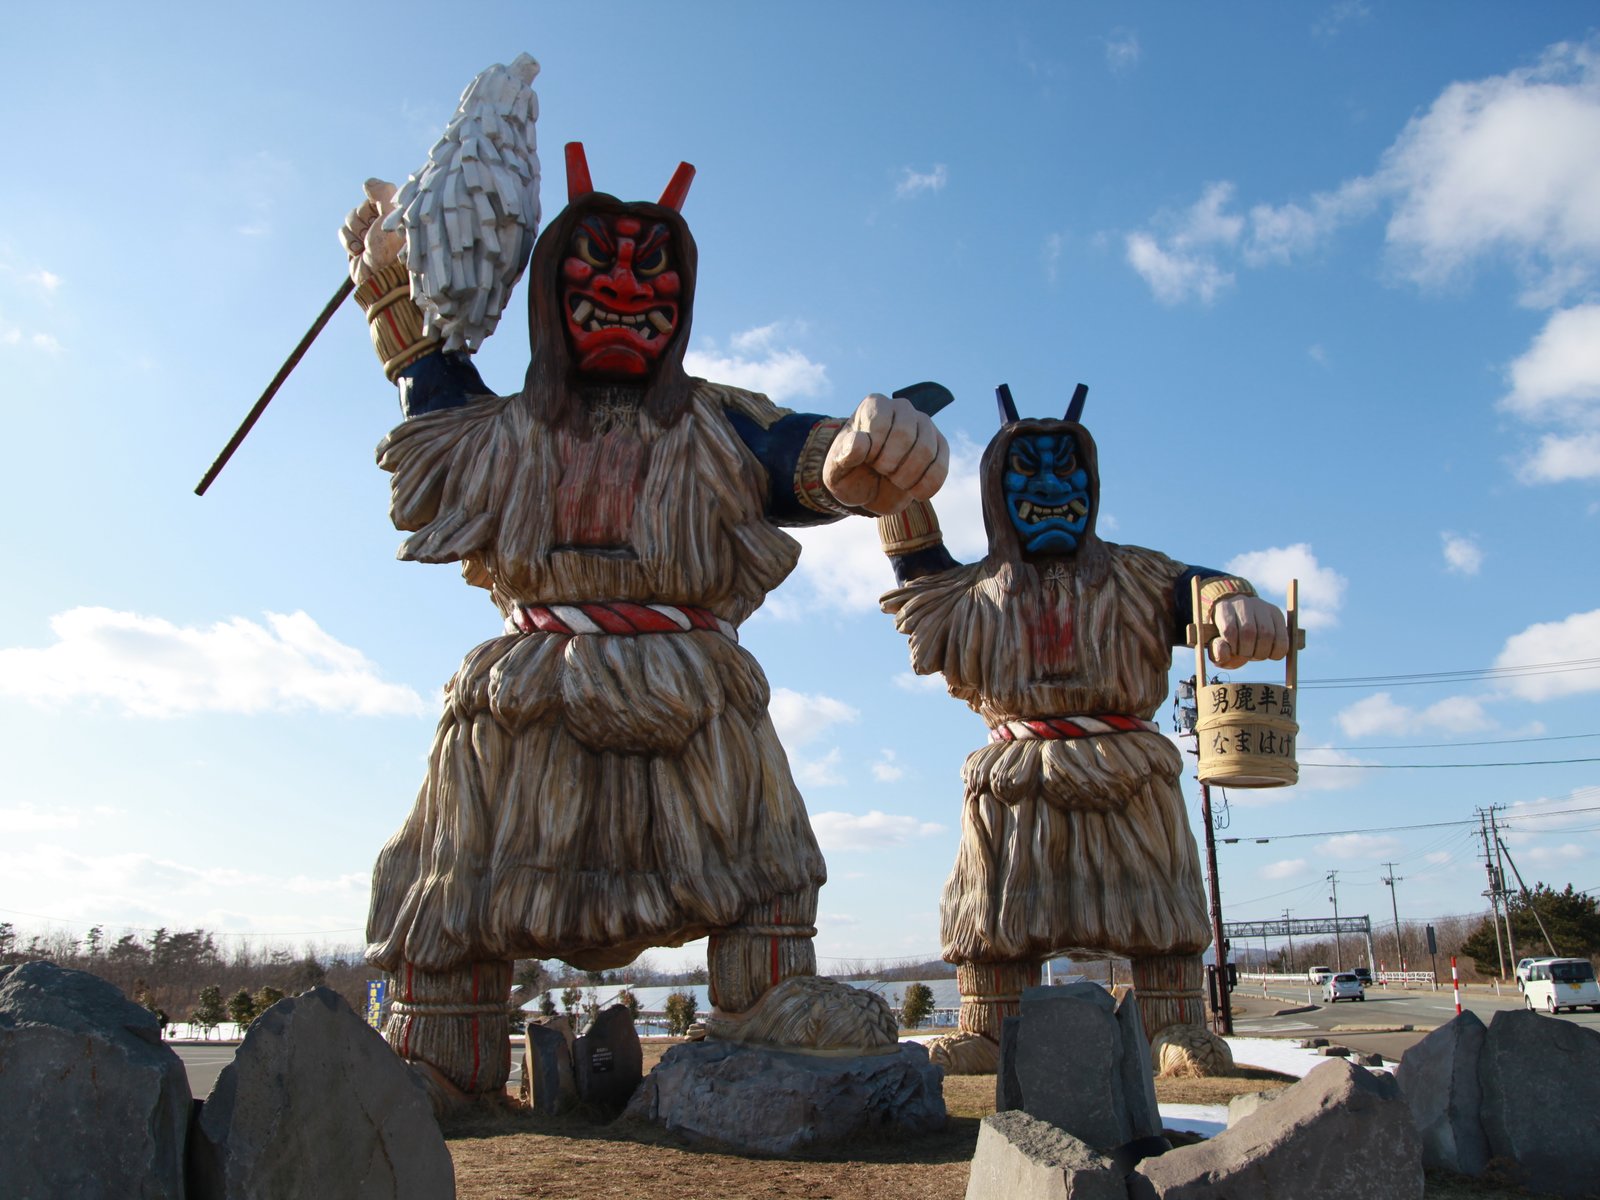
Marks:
<point>513,1155</point>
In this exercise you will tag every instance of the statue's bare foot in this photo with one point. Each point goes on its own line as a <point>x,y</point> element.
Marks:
<point>1190,1050</point>
<point>811,1015</point>
<point>964,1054</point>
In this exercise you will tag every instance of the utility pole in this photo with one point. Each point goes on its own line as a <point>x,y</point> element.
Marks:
<point>1224,1002</point>
<point>1505,894</point>
<point>1493,893</point>
<point>1289,928</point>
<point>1394,907</point>
<point>1338,947</point>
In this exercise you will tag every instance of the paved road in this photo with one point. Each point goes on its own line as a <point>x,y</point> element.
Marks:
<point>1387,1007</point>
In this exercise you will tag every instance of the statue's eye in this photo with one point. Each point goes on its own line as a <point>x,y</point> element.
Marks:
<point>652,263</point>
<point>1021,465</point>
<point>1067,466</point>
<point>585,249</point>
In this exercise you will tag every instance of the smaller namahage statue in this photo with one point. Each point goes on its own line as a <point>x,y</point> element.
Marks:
<point>1073,829</point>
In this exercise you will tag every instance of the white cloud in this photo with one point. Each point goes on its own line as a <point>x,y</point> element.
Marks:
<point>885,770</point>
<point>1557,382</point>
<point>1051,256</point>
<point>1122,50</point>
<point>1184,264</point>
<point>1321,588</point>
<point>1461,554</point>
<point>842,566</point>
<point>28,818</point>
<point>870,831</point>
<point>1336,779</point>
<point>1349,846</point>
<point>1575,637</point>
<point>1504,166</point>
<point>1284,868</point>
<point>910,682</point>
<point>913,182</point>
<point>1566,852</point>
<point>48,280</point>
<point>801,718</point>
<point>1438,858</point>
<point>149,667</point>
<point>1500,168</point>
<point>756,361</point>
<point>819,772</point>
<point>1380,716</point>
<point>1318,354</point>
<point>1332,22</point>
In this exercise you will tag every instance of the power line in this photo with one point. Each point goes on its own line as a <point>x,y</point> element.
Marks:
<point>1561,737</point>
<point>1506,820</point>
<point>1459,676</point>
<point>1538,762</point>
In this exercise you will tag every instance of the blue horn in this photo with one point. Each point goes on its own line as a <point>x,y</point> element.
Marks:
<point>1008,407</point>
<point>1075,408</point>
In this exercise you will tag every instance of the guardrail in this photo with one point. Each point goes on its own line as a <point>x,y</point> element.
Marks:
<point>1401,979</point>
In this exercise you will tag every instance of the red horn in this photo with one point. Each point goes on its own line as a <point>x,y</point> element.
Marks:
<point>578,181</point>
<point>678,190</point>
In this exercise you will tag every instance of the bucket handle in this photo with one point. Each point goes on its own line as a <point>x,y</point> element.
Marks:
<point>1199,634</point>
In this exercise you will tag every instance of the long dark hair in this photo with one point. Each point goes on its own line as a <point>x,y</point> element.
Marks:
<point>552,388</point>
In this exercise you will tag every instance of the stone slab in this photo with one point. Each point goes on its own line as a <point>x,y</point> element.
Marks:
<point>1438,1078</point>
<point>1341,1133</point>
<point>91,1103</point>
<point>1069,1062</point>
<point>1023,1158</point>
<point>757,1100</point>
<point>1541,1092</point>
<point>608,1061</point>
<point>315,1103</point>
<point>547,1082</point>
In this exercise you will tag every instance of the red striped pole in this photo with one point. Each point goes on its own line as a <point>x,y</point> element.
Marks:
<point>1455,982</point>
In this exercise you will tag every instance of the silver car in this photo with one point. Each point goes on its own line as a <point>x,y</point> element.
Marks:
<point>1343,986</point>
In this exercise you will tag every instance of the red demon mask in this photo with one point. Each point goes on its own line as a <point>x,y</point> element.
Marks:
<point>620,292</point>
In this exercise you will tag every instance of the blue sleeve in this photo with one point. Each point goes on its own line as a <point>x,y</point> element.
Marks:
<point>1183,601</point>
<point>777,447</point>
<point>438,381</point>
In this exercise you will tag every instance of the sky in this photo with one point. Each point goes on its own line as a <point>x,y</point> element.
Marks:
<point>1329,270</point>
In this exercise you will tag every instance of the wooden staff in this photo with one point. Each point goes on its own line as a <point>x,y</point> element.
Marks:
<point>289,365</point>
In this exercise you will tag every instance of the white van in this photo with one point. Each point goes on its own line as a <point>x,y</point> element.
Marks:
<point>1557,983</point>
<point>1319,974</point>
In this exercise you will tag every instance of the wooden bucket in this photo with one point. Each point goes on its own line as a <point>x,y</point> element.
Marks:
<point>1247,731</point>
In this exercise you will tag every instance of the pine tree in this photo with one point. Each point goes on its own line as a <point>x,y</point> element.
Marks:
<point>266,996</point>
<point>241,1008</point>
<point>681,1009</point>
<point>918,1005</point>
<point>209,1012</point>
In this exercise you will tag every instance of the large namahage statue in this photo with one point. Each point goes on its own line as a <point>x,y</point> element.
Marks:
<point>605,776</point>
<point>1073,829</point>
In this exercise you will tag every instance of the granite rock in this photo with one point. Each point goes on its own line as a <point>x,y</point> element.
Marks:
<point>315,1103</point>
<point>1438,1078</point>
<point>1541,1093</point>
<point>92,1104</point>
<point>1023,1158</point>
<point>1341,1133</point>
<point>607,1060</point>
<point>547,1082</point>
<point>758,1100</point>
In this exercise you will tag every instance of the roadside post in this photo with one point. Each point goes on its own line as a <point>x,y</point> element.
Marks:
<point>1455,983</point>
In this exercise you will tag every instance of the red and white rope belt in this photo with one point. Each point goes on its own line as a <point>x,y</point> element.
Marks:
<point>1033,728</point>
<point>617,617</point>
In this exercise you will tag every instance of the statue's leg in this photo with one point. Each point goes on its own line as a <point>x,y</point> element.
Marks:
<point>765,989</point>
<point>1170,988</point>
<point>455,1027</point>
<point>990,992</point>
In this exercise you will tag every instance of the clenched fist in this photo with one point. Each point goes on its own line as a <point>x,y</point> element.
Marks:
<point>1249,629</point>
<point>887,456</point>
<point>370,246</point>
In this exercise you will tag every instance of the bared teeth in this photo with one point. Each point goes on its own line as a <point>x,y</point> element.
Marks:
<point>580,314</point>
<point>659,320</point>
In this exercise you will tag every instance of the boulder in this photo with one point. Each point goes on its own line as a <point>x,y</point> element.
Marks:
<point>758,1100</point>
<point>1023,1158</point>
<point>1541,1090</point>
<point>1438,1079</point>
<point>1242,1106</point>
<point>607,1061</point>
<point>1341,1133</point>
<point>315,1103</point>
<point>92,1104</point>
<point>1007,1091</point>
<point>1082,1064</point>
<point>547,1083</point>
